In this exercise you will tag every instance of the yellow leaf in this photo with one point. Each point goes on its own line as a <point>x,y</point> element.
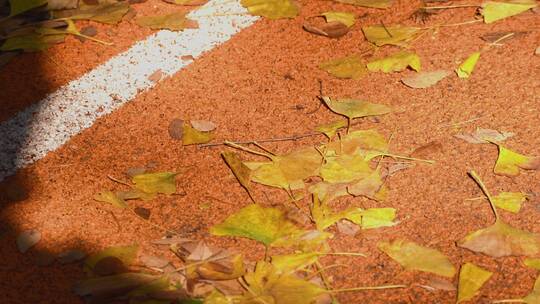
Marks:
<point>356,141</point>
<point>397,35</point>
<point>161,182</point>
<point>395,63</point>
<point>501,239</point>
<point>374,218</point>
<point>217,297</point>
<point>329,191</point>
<point>239,169</point>
<point>331,129</point>
<point>509,162</point>
<point>532,263</point>
<point>348,67</point>
<point>509,201</point>
<point>126,254</point>
<point>269,286</point>
<point>534,296</point>
<point>21,6</point>
<point>415,257</point>
<point>343,17</point>
<point>106,12</point>
<point>191,136</point>
<point>173,22</point>
<point>372,186</point>
<point>290,263</point>
<point>217,272</point>
<point>345,168</point>
<point>493,11</point>
<point>272,9</point>
<point>266,225</point>
<point>369,3</point>
<point>111,198</point>
<point>324,217</point>
<point>466,68</point>
<point>269,174</point>
<point>353,108</point>
<point>471,279</point>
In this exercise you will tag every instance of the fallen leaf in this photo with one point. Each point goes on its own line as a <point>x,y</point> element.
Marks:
<point>109,265</point>
<point>415,257</point>
<point>289,263</point>
<point>509,162</point>
<point>112,286</point>
<point>534,296</point>
<point>501,37</point>
<point>173,22</point>
<point>348,67</point>
<point>347,228</point>
<point>353,108</point>
<point>271,9</point>
<point>441,284</point>
<point>471,279</point>
<point>329,29</point>
<point>509,201</point>
<point>18,6</point>
<point>371,187</point>
<point>357,142</point>
<point>374,218</point>
<point>532,263</point>
<point>62,4</point>
<point>395,63</point>
<point>203,125</point>
<point>160,182</point>
<point>345,168</point>
<point>393,169</point>
<point>428,149</point>
<point>126,254</point>
<point>110,198</point>
<point>191,136</point>
<point>382,4</point>
<point>71,256</point>
<point>109,12</point>
<point>483,136</point>
<point>266,225</point>
<point>343,17</point>
<point>324,217</point>
<point>501,239</point>
<point>154,261</point>
<point>31,43</point>
<point>331,129</point>
<point>176,128</point>
<point>142,212</point>
<point>424,80</point>
<point>240,171</point>
<point>396,35</point>
<point>493,11</point>
<point>156,76</point>
<point>466,68</point>
<point>27,240</point>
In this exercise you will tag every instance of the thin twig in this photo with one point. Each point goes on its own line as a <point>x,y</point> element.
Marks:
<point>293,138</point>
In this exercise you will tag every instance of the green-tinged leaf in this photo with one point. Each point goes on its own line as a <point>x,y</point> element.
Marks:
<point>358,141</point>
<point>497,10</point>
<point>31,42</point>
<point>111,286</point>
<point>21,6</point>
<point>108,12</point>
<point>353,108</point>
<point>345,168</point>
<point>191,136</point>
<point>509,201</point>
<point>343,17</point>
<point>415,257</point>
<point>382,4</point>
<point>272,9</point>
<point>509,162</point>
<point>126,254</point>
<point>501,239</point>
<point>532,263</point>
<point>290,263</point>
<point>267,285</point>
<point>160,182</point>
<point>324,217</point>
<point>348,67</point>
<point>471,279</point>
<point>534,296</point>
<point>110,198</point>
<point>396,35</point>
<point>266,225</point>
<point>374,218</point>
<point>173,22</point>
<point>466,68</point>
<point>396,63</point>
<point>331,129</point>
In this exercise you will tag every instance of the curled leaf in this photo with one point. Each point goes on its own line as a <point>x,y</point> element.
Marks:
<point>415,257</point>
<point>471,279</point>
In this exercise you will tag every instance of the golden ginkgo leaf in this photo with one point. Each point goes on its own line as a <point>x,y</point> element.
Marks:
<point>330,129</point>
<point>395,63</point>
<point>345,168</point>
<point>192,136</point>
<point>111,198</point>
<point>343,17</point>
<point>18,6</point>
<point>497,10</point>
<point>266,225</point>
<point>271,9</point>
<point>110,12</point>
<point>324,217</point>
<point>173,22</point>
<point>466,68</point>
<point>415,257</point>
<point>159,182</point>
<point>509,201</point>
<point>357,141</point>
<point>354,108</point>
<point>374,218</point>
<point>288,263</point>
<point>348,67</point>
<point>372,186</point>
<point>239,169</point>
<point>471,279</point>
<point>396,35</point>
<point>509,162</point>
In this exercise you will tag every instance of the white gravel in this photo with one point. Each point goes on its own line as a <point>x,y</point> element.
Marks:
<point>50,123</point>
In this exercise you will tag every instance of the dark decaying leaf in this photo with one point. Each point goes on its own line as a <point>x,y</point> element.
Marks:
<point>142,212</point>
<point>71,256</point>
<point>331,29</point>
<point>112,286</point>
<point>109,265</point>
<point>27,240</point>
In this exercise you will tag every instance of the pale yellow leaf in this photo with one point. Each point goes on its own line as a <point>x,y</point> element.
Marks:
<point>354,108</point>
<point>160,182</point>
<point>173,22</point>
<point>271,9</point>
<point>471,279</point>
<point>497,10</point>
<point>395,63</point>
<point>509,201</point>
<point>347,67</point>
<point>509,162</point>
<point>343,17</point>
<point>397,35</point>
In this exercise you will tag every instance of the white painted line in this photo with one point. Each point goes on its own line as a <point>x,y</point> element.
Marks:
<point>48,124</point>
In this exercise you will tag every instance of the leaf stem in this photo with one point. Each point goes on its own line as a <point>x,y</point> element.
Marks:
<point>449,6</point>
<point>239,147</point>
<point>407,158</point>
<point>343,253</point>
<point>509,301</point>
<point>477,179</point>
<point>119,181</point>
<point>367,288</point>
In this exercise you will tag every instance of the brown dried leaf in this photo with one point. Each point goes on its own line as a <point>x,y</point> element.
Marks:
<point>62,4</point>
<point>347,228</point>
<point>154,261</point>
<point>441,284</point>
<point>156,76</point>
<point>142,212</point>
<point>424,151</point>
<point>494,36</point>
<point>333,29</point>
<point>27,240</point>
<point>176,128</point>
